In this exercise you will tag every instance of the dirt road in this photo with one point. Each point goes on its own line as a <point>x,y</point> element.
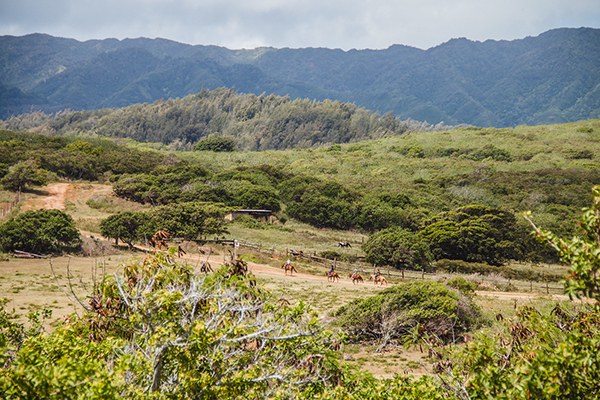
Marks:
<point>55,198</point>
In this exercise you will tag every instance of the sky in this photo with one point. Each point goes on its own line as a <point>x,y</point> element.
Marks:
<point>344,24</point>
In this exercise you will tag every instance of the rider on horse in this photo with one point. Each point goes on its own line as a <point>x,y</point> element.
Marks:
<point>331,271</point>
<point>355,273</point>
<point>377,273</point>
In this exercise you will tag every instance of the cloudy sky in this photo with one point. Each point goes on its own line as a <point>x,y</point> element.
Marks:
<point>345,24</point>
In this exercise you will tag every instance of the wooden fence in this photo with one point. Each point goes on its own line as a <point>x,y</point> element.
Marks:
<point>6,208</point>
<point>364,269</point>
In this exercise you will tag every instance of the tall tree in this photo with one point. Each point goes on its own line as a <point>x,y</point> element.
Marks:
<point>23,174</point>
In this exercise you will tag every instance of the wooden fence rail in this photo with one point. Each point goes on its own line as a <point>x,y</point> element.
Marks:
<point>6,208</point>
<point>364,269</point>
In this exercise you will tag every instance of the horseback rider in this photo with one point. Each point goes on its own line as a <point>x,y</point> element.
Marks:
<point>377,273</point>
<point>355,273</point>
<point>331,271</point>
<point>287,263</point>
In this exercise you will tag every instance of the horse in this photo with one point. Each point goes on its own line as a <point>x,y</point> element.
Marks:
<point>289,267</point>
<point>206,268</point>
<point>356,278</point>
<point>378,279</point>
<point>344,244</point>
<point>331,277</point>
<point>160,239</point>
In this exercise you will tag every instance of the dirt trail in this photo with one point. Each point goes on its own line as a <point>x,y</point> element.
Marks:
<point>55,199</point>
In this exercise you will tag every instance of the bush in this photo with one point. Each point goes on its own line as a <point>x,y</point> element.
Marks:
<point>394,312</point>
<point>474,233</point>
<point>41,231</point>
<point>217,144</point>
<point>169,333</point>
<point>462,285</point>
<point>397,247</point>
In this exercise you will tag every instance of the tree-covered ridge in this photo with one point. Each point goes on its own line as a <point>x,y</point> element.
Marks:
<point>551,78</point>
<point>253,122</point>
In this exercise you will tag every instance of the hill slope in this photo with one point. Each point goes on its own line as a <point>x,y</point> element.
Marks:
<point>552,78</point>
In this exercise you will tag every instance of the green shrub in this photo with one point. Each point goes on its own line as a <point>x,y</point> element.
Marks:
<point>464,286</point>
<point>394,312</point>
<point>216,144</point>
<point>246,221</point>
<point>40,231</point>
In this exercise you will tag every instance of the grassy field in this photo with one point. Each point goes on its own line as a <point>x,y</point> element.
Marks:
<point>383,164</point>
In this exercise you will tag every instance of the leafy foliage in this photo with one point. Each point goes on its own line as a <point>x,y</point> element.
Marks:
<point>156,330</point>
<point>215,143</point>
<point>222,119</point>
<point>70,157</point>
<point>398,248</point>
<point>22,174</point>
<point>41,231</point>
<point>187,220</point>
<point>543,356</point>
<point>473,233</point>
<point>124,225</point>
<point>582,253</point>
<point>396,311</point>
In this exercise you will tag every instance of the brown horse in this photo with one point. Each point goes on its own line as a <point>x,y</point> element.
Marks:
<point>206,268</point>
<point>379,279</point>
<point>356,278</point>
<point>160,239</point>
<point>289,267</point>
<point>331,277</point>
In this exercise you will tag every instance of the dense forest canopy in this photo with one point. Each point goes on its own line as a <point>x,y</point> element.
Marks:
<point>253,122</point>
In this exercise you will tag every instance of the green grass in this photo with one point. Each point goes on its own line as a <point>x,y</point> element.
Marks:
<point>376,164</point>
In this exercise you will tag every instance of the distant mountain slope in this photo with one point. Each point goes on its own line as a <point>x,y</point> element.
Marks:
<point>551,78</point>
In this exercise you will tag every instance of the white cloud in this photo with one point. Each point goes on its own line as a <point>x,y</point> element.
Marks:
<point>297,23</point>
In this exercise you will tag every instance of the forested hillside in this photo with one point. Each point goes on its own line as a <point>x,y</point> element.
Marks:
<point>551,78</point>
<point>253,122</point>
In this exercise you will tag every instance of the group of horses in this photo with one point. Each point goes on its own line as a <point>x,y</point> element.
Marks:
<point>357,278</point>
<point>333,276</point>
<point>240,268</point>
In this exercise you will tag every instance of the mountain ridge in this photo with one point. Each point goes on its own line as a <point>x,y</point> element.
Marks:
<point>550,78</point>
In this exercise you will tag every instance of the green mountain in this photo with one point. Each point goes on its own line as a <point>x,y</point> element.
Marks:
<point>551,78</point>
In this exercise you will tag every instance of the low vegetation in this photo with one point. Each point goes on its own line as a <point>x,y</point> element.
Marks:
<point>396,312</point>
